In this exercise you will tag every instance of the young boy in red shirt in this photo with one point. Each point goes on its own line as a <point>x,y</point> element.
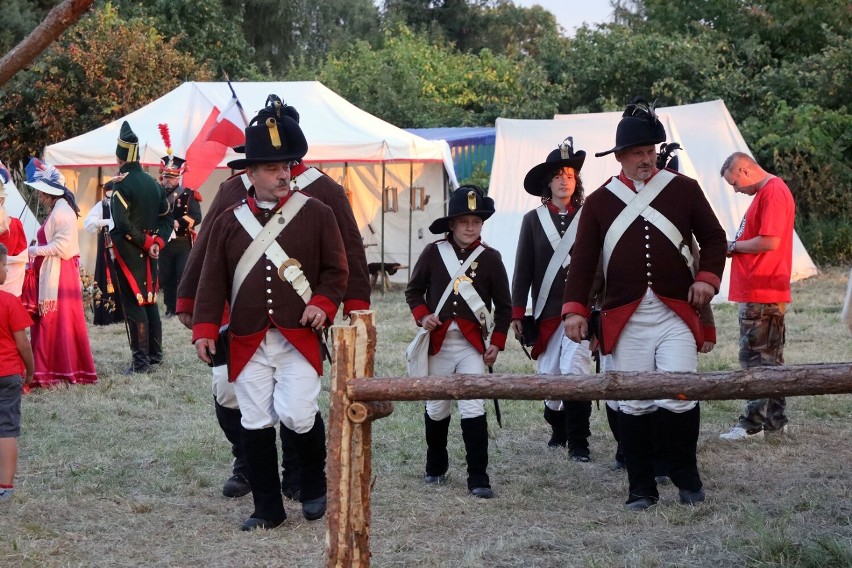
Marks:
<point>16,370</point>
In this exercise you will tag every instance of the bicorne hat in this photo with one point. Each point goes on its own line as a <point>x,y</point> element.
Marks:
<point>466,200</point>
<point>536,180</point>
<point>273,135</point>
<point>639,126</point>
<point>127,148</point>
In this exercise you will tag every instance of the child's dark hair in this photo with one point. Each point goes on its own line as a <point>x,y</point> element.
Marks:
<point>3,251</point>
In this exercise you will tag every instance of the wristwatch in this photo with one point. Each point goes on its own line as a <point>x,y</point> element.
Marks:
<point>731,247</point>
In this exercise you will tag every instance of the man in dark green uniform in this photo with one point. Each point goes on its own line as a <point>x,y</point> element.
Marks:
<point>142,223</point>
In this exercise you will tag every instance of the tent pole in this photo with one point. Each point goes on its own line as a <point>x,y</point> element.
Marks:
<point>410,210</point>
<point>382,248</point>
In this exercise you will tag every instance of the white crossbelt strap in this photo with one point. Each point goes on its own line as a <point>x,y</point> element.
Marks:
<point>306,178</point>
<point>548,225</point>
<point>264,242</point>
<point>462,284</point>
<point>561,255</point>
<point>638,204</point>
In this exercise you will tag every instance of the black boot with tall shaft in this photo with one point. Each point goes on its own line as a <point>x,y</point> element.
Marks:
<point>262,458</point>
<point>437,460</point>
<point>310,449</point>
<point>230,421</point>
<point>475,436</point>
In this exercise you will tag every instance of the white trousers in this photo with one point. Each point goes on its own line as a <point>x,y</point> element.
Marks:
<point>223,389</point>
<point>655,339</point>
<point>276,384</point>
<point>457,356</point>
<point>562,356</point>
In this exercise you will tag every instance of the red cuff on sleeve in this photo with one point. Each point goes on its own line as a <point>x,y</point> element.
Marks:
<point>325,305</point>
<point>575,308</point>
<point>185,305</point>
<point>709,333</point>
<point>352,305</point>
<point>205,331</point>
<point>498,340</point>
<point>149,242</point>
<point>710,278</point>
<point>420,312</point>
<point>518,312</point>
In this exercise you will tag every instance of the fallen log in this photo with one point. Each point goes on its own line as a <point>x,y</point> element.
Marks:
<point>757,382</point>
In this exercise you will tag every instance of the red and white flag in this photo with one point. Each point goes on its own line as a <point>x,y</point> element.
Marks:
<point>230,126</point>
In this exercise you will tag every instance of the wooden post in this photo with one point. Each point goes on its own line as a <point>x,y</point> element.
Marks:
<point>338,547</point>
<point>350,445</point>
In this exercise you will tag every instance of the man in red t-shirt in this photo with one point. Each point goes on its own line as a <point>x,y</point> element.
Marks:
<point>761,262</point>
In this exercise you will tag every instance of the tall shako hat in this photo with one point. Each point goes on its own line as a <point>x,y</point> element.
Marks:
<point>466,200</point>
<point>170,165</point>
<point>128,144</point>
<point>272,136</point>
<point>535,182</point>
<point>639,126</point>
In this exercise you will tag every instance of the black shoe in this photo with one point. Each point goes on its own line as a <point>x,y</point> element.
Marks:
<point>688,497</point>
<point>254,523</point>
<point>640,504</point>
<point>662,479</point>
<point>315,508</point>
<point>131,370</point>
<point>435,479</point>
<point>579,455</point>
<point>482,492</point>
<point>290,492</point>
<point>236,486</point>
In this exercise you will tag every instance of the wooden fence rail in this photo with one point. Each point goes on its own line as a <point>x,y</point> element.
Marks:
<point>357,399</point>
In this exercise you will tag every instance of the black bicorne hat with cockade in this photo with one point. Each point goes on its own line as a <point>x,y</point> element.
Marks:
<point>639,126</point>
<point>536,180</point>
<point>273,135</point>
<point>466,200</point>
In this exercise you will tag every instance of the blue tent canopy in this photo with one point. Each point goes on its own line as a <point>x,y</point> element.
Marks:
<point>471,147</point>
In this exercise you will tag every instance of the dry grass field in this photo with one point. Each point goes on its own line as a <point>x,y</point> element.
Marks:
<point>129,473</point>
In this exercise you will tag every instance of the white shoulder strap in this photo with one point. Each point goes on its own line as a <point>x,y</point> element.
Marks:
<point>460,283</point>
<point>548,225</point>
<point>263,241</point>
<point>561,258</point>
<point>636,204</point>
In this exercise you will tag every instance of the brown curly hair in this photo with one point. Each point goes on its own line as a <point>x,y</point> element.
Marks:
<point>578,195</point>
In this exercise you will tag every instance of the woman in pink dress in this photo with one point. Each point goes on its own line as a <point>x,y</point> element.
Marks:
<point>12,235</point>
<point>60,339</point>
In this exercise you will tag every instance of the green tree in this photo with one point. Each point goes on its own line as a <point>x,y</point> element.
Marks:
<point>102,68</point>
<point>413,82</point>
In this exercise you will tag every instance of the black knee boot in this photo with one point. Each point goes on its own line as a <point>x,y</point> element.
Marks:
<point>612,420</point>
<point>680,435</point>
<point>475,436</point>
<point>559,434</point>
<point>262,459</point>
<point>577,415</point>
<point>310,451</point>
<point>155,342</point>
<point>637,440</point>
<point>138,347</point>
<point>230,421</point>
<point>291,470</point>
<point>437,460</point>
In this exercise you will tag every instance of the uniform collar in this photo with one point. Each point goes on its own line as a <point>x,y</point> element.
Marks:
<point>473,245</point>
<point>252,202</point>
<point>630,183</point>
<point>555,210</point>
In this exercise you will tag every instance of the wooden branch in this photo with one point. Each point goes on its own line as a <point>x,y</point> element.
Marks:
<point>365,353</point>
<point>758,382</point>
<point>360,412</point>
<point>57,21</point>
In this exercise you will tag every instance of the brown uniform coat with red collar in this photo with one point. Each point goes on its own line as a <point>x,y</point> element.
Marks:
<point>644,258</point>
<point>265,300</point>
<point>430,278</point>
<point>324,189</point>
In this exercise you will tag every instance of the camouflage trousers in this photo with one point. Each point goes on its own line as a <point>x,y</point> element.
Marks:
<point>762,337</point>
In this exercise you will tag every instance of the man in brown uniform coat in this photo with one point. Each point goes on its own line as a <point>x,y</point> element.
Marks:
<point>311,182</point>
<point>277,260</point>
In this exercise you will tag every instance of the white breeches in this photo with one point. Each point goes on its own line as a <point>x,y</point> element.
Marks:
<point>457,356</point>
<point>276,384</point>
<point>655,339</point>
<point>563,357</point>
<point>223,389</point>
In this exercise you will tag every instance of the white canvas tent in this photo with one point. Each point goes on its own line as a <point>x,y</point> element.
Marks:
<point>360,151</point>
<point>16,207</point>
<point>706,132</point>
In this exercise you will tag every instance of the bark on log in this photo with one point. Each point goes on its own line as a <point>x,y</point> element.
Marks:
<point>360,412</point>
<point>758,382</point>
<point>57,21</point>
<point>365,353</point>
<point>338,528</point>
